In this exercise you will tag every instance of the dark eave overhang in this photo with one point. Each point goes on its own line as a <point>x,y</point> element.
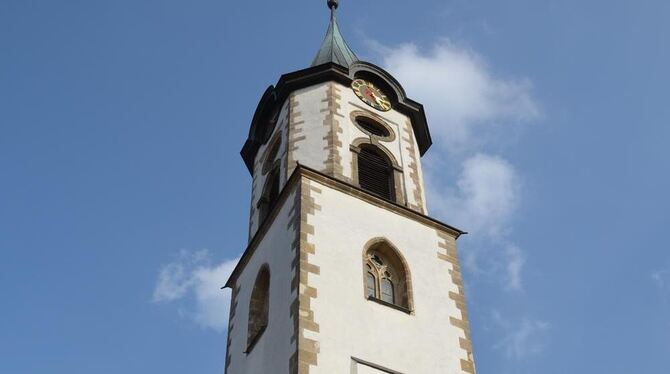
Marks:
<point>291,82</point>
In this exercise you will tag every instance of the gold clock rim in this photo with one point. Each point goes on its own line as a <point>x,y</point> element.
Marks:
<point>365,99</point>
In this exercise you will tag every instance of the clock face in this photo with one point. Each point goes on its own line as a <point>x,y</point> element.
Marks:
<point>371,95</point>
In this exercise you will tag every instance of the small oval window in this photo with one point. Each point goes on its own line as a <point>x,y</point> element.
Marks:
<point>372,127</point>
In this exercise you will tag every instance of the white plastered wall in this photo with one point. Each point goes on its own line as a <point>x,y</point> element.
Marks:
<point>272,352</point>
<point>350,326</point>
<point>364,369</point>
<point>311,109</point>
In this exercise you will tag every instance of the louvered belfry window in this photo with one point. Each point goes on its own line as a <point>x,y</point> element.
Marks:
<point>269,196</point>
<point>375,173</point>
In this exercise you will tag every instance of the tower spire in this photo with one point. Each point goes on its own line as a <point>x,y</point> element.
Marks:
<point>334,49</point>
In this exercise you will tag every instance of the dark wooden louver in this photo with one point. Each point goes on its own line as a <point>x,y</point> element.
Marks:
<point>375,174</point>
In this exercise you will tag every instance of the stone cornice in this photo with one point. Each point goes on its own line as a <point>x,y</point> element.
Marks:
<point>274,96</point>
<point>301,172</point>
<point>358,192</point>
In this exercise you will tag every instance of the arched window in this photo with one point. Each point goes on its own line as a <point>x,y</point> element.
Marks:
<point>375,172</point>
<point>258,307</point>
<point>270,194</point>
<point>271,154</point>
<point>386,276</point>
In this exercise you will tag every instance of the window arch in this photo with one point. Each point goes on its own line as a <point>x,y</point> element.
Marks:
<point>387,277</point>
<point>259,306</point>
<point>270,194</point>
<point>271,154</point>
<point>375,172</point>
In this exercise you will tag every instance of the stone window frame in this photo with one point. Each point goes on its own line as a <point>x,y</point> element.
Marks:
<point>357,114</point>
<point>400,271</point>
<point>265,203</point>
<point>269,164</point>
<point>254,336</point>
<point>355,148</point>
<point>270,160</point>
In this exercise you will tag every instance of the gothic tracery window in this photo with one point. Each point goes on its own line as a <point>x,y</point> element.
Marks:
<point>258,307</point>
<point>386,277</point>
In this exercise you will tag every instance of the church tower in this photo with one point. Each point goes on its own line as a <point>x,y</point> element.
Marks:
<point>345,272</point>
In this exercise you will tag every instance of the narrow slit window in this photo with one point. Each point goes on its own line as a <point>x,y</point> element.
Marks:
<point>371,285</point>
<point>387,291</point>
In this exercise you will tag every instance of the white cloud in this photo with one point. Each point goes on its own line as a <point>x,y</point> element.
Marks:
<point>465,102</point>
<point>192,276</point>
<point>473,114</point>
<point>175,279</point>
<point>515,262</point>
<point>520,339</point>
<point>470,109</point>
<point>485,197</point>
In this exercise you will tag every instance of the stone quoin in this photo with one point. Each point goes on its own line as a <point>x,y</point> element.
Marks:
<point>345,271</point>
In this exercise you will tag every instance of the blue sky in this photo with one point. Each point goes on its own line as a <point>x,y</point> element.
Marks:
<point>123,199</point>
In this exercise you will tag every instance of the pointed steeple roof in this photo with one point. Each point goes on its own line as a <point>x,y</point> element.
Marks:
<point>334,49</point>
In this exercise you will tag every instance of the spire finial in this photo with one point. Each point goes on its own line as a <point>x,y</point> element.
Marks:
<point>334,49</point>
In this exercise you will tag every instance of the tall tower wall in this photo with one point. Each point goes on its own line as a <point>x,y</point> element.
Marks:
<point>430,336</point>
<point>273,249</point>
<point>345,273</point>
<point>316,127</point>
